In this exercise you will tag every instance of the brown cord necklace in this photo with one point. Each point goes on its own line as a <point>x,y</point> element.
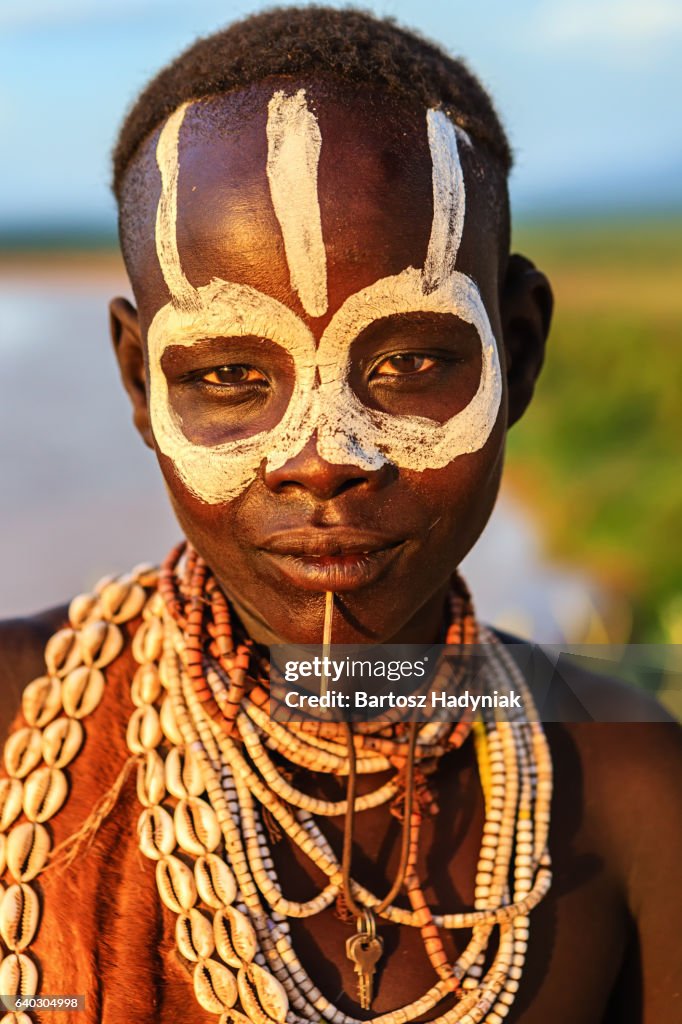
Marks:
<point>366,947</point>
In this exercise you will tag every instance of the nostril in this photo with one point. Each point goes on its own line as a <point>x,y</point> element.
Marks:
<point>279,486</point>
<point>346,485</point>
<point>309,471</point>
<point>327,488</point>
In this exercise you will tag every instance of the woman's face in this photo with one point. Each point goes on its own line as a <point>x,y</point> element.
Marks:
<point>317,284</point>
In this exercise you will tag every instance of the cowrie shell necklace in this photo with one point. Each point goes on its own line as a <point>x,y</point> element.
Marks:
<point>203,790</point>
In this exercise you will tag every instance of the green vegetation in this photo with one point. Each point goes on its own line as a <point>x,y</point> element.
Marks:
<point>597,456</point>
<point>598,453</point>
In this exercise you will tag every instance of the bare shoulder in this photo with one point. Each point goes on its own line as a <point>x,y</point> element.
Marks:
<point>22,643</point>
<point>632,775</point>
<point>630,752</point>
<point>617,755</point>
<point>617,819</point>
<point>631,782</point>
<point>627,749</point>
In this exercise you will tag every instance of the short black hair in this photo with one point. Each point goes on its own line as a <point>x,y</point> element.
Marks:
<point>348,44</point>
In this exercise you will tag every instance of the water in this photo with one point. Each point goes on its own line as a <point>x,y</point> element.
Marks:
<point>81,496</point>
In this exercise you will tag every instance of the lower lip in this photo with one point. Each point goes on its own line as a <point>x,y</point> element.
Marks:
<point>338,573</point>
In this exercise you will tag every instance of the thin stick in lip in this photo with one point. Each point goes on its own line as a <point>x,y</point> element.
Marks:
<point>326,638</point>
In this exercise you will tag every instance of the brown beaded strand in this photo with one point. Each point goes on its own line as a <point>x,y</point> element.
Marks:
<point>222,788</point>
<point>202,596</point>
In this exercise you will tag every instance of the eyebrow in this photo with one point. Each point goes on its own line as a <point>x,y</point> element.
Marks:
<point>396,322</point>
<point>220,347</point>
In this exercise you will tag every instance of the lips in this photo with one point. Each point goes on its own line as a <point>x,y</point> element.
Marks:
<point>333,558</point>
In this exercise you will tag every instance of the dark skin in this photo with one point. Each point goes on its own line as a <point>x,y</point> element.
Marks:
<point>379,229</point>
<point>603,944</point>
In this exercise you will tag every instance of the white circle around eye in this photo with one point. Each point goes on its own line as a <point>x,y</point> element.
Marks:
<point>350,432</point>
<point>220,472</point>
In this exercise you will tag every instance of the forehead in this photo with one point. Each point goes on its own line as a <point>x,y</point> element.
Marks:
<point>374,191</point>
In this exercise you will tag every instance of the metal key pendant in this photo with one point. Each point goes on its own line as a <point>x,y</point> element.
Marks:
<point>364,949</point>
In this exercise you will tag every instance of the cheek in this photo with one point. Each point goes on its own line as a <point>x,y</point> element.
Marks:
<point>461,496</point>
<point>217,438</point>
<point>208,527</point>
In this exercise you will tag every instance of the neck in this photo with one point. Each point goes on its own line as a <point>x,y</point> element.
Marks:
<point>426,625</point>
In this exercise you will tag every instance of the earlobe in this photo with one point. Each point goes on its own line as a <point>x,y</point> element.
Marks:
<point>129,349</point>
<point>526,310</point>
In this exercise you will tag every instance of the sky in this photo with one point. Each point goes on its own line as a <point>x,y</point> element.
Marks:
<point>588,89</point>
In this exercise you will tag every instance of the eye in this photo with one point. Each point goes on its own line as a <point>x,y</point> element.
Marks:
<point>233,373</point>
<point>403,364</point>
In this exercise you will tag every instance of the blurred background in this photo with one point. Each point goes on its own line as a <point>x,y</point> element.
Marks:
<point>584,544</point>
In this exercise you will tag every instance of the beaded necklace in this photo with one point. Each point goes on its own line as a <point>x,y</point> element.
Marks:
<point>207,784</point>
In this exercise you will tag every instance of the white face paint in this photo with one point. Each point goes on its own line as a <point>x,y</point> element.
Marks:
<point>348,432</point>
<point>294,144</point>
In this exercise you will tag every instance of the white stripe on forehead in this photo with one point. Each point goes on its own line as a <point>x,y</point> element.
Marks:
<point>322,403</point>
<point>448,199</point>
<point>294,143</point>
<point>184,296</point>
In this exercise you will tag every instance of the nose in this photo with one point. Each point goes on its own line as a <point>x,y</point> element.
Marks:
<point>308,471</point>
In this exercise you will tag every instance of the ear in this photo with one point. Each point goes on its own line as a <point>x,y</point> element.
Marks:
<point>526,309</point>
<point>129,349</point>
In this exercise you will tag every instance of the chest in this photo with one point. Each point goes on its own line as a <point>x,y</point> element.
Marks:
<point>577,932</point>
<point>116,940</point>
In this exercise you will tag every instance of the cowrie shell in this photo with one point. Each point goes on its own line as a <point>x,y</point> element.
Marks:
<point>102,583</point>
<point>100,643</point>
<point>144,730</point>
<point>169,724</point>
<point>82,690</point>
<point>41,700</point>
<point>194,936</point>
<point>45,791</point>
<point>11,801</point>
<point>214,986</point>
<point>17,1017</point>
<point>81,608</point>
<point>121,601</point>
<point>176,885</point>
<point>23,751</point>
<point>196,826</point>
<point>164,674</point>
<point>62,652</point>
<point>18,975</point>
<point>148,641</point>
<point>229,1017</point>
<point>28,847</point>
<point>151,785</point>
<point>146,685</point>
<point>145,574</point>
<point>155,832</point>
<point>3,853</point>
<point>19,915</point>
<point>183,774</point>
<point>61,742</point>
<point>235,938</point>
<point>154,607</point>
<point>215,882</point>
<point>261,993</point>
